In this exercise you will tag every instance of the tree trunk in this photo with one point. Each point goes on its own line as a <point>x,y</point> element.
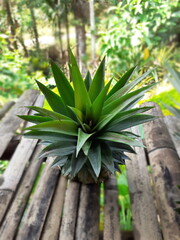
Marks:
<point>92,27</point>
<point>34,25</point>
<point>67,26</point>
<point>21,40</point>
<point>81,11</point>
<point>81,46</point>
<point>60,35</point>
<point>11,22</point>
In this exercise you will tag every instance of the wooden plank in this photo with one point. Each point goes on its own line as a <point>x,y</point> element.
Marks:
<point>165,171</point>
<point>5,108</point>
<point>173,126</point>
<point>14,215</point>
<point>145,223</point>
<point>15,169</point>
<point>68,225</point>
<point>111,211</point>
<point>53,220</point>
<point>88,214</point>
<point>33,221</point>
<point>11,122</point>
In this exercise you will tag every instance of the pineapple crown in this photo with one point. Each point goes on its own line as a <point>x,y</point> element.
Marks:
<point>86,129</point>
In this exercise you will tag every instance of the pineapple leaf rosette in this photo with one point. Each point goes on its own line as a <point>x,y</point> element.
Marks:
<point>86,130</point>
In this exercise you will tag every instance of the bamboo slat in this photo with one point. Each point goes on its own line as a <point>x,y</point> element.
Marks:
<point>53,220</point>
<point>111,211</point>
<point>173,126</point>
<point>145,223</point>
<point>68,225</point>
<point>165,171</point>
<point>14,172</point>
<point>33,221</point>
<point>88,214</point>
<point>16,210</point>
<point>5,108</point>
<point>11,122</point>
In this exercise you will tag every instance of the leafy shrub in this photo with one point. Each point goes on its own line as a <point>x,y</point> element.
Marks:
<point>133,29</point>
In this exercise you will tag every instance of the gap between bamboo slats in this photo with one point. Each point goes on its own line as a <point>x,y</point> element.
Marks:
<point>111,211</point>
<point>165,172</point>
<point>145,222</point>
<point>33,221</point>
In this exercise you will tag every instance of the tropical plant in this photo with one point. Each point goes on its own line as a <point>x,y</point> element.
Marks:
<point>86,130</point>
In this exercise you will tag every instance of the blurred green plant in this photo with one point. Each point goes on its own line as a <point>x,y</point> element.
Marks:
<point>134,28</point>
<point>166,97</point>
<point>124,200</point>
<point>16,72</point>
<point>3,166</point>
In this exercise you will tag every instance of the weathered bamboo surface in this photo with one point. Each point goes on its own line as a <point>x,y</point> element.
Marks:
<point>111,211</point>
<point>88,213</point>
<point>5,109</point>
<point>14,172</point>
<point>60,209</point>
<point>68,225</point>
<point>11,222</point>
<point>165,171</point>
<point>53,220</point>
<point>33,221</point>
<point>173,126</point>
<point>11,122</point>
<point>144,212</point>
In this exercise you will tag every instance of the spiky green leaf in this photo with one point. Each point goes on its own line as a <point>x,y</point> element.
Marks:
<point>125,89</point>
<point>59,161</point>
<point>125,78</point>
<point>88,80</point>
<point>98,103</point>
<point>58,149</point>
<point>50,136</point>
<point>55,101</point>
<point>63,85</point>
<point>48,113</point>
<point>77,163</point>
<point>120,138</point>
<point>82,138</point>
<point>82,100</point>
<point>94,156</point>
<point>130,122</point>
<point>106,156</point>
<point>64,126</point>
<point>34,119</point>
<point>98,81</point>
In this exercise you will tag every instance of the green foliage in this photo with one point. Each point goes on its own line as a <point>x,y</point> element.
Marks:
<point>134,28</point>
<point>16,73</point>
<point>3,166</point>
<point>166,97</point>
<point>88,123</point>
